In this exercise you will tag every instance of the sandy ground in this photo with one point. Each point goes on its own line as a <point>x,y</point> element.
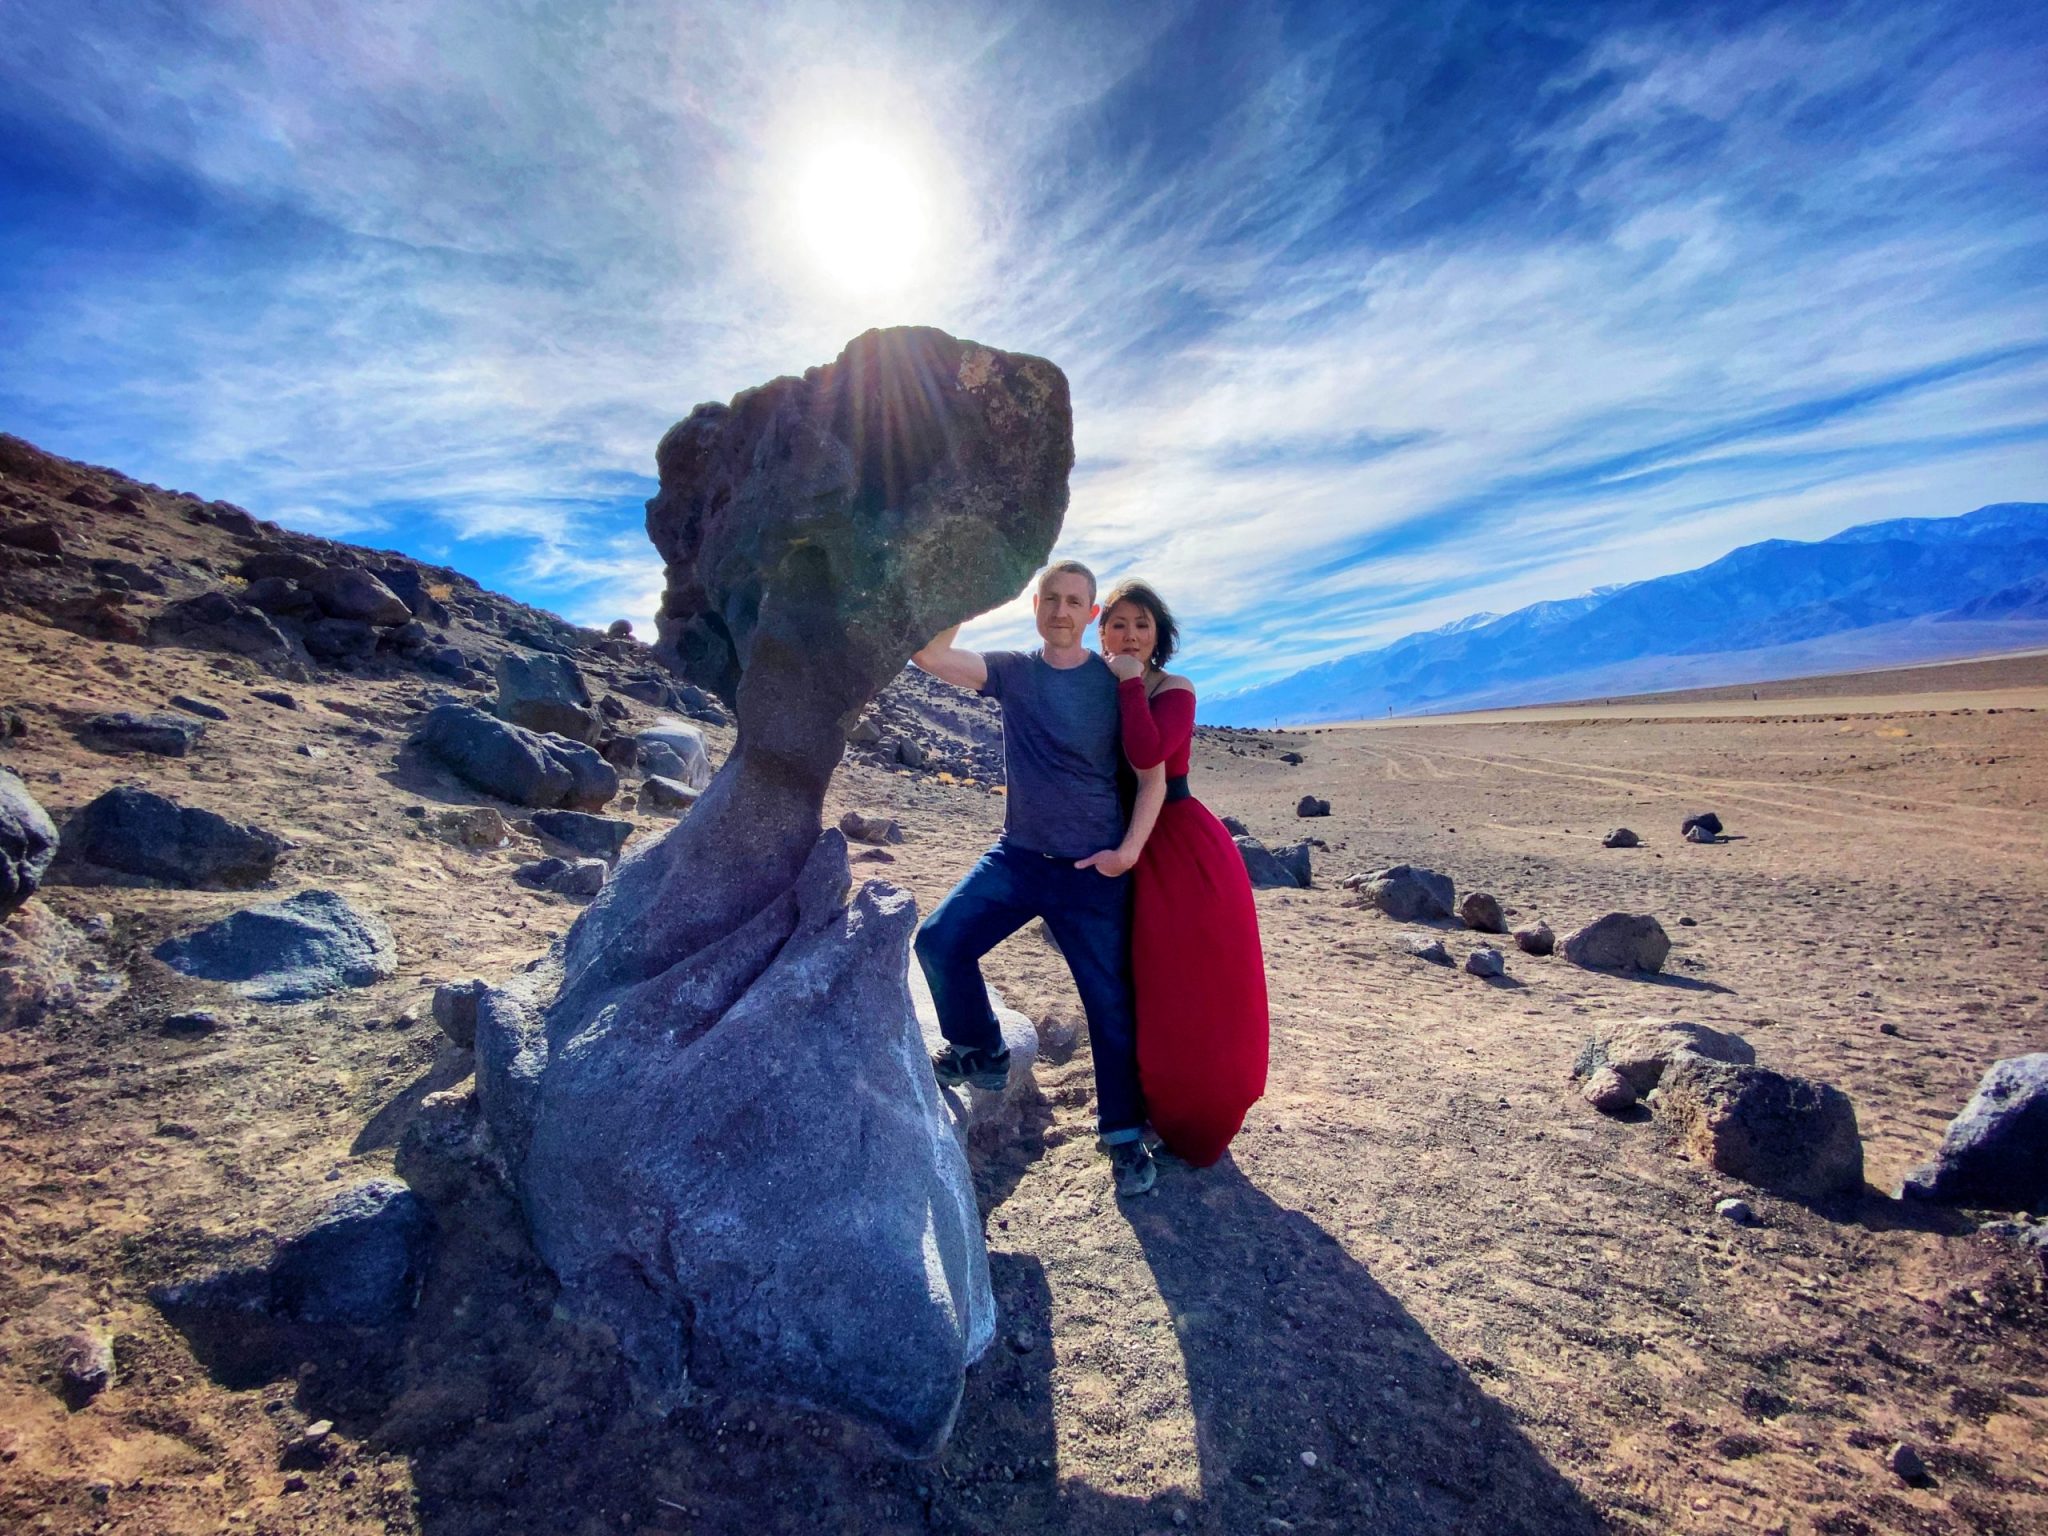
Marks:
<point>1430,1291</point>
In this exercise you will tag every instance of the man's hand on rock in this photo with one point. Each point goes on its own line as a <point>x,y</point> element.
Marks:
<point>1126,667</point>
<point>1111,862</point>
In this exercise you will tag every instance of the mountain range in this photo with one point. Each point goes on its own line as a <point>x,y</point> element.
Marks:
<point>1889,593</point>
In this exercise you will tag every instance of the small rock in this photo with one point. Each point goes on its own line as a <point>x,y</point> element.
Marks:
<point>1409,893</point>
<point>596,837</point>
<point>1688,922</point>
<point>582,878</point>
<point>1621,837</point>
<point>189,1025</point>
<point>1609,1092</point>
<point>199,707</point>
<point>870,829</point>
<point>1311,806</point>
<point>275,696</point>
<point>1995,1152</point>
<point>123,731</point>
<point>1538,940</point>
<point>1234,827</point>
<point>1485,962</point>
<point>873,856</point>
<point>307,749</point>
<point>1887,1028</point>
<point>1308,1458</point>
<point>1737,1211</point>
<point>619,629</point>
<point>1431,950</point>
<point>1023,1340</point>
<point>1906,1463</point>
<point>85,1368</point>
<point>1620,941</point>
<point>1482,913</point>
<point>1700,835</point>
<point>455,1007</point>
<point>1705,820</point>
<point>669,796</point>
<point>475,826</point>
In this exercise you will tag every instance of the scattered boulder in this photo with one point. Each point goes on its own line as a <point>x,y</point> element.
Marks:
<point>472,826</point>
<point>597,837</point>
<point>342,642</point>
<point>1309,805</point>
<point>1643,1050</point>
<point>1487,963</point>
<point>276,696</point>
<point>676,750</point>
<point>1409,894</point>
<point>135,832</point>
<point>1703,821</point>
<point>1234,827</point>
<point>1620,941</point>
<point>565,877</point>
<point>619,629</point>
<point>1482,913</point>
<point>359,1263</point>
<point>455,1006</point>
<point>213,621</point>
<point>1538,940</point>
<point>124,731</point>
<point>1906,1465</point>
<point>513,763</point>
<point>1609,1092</point>
<point>85,1367</point>
<point>1740,1212</point>
<point>42,538</point>
<point>28,843</point>
<point>289,951</point>
<point>545,693</point>
<point>278,565</point>
<point>1292,759</point>
<point>870,829</point>
<point>191,1024</point>
<point>1995,1153</point>
<point>1432,950</point>
<point>1700,835</point>
<point>347,592</point>
<point>1778,1132</point>
<point>1270,868</point>
<point>670,797</point>
<point>199,707</point>
<point>1621,837</point>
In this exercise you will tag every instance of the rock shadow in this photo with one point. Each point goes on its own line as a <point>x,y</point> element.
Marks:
<point>450,1066</point>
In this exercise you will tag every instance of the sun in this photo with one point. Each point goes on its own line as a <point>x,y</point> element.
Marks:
<point>861,213</point>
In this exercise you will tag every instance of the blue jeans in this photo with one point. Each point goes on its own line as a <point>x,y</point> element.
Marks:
<point>1090,916</point>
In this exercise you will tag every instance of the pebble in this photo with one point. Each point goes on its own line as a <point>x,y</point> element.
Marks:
<point>1308,1458</point>
<point>1608,1091</point>
<point>1486,962</point>
<point>1431,950</point>
<point>1906,1462</point>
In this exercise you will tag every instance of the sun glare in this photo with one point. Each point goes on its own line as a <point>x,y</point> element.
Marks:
<point>862,214</point>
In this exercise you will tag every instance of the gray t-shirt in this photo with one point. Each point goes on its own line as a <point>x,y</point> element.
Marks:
<point>1062,742</point>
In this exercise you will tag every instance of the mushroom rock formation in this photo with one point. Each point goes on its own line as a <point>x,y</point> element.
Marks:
<point>775,1203</point>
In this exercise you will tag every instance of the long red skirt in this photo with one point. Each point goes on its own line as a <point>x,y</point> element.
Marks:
<point>1200,977</point>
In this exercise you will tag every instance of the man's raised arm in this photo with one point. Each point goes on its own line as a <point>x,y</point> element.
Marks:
<point>950,664</point>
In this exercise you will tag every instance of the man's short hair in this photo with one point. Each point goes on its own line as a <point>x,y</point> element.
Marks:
<point>1065,568</point>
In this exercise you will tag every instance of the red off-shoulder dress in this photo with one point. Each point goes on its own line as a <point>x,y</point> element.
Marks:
<point>1196,963</point>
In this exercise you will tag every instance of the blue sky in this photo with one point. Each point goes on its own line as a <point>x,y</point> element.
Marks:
<point>1375,316</point>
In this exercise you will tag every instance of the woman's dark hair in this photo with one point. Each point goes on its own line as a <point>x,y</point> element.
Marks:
<point>1165,633</point>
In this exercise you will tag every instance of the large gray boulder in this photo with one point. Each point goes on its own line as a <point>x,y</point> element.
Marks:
<point>1620,941</point>
<point>135,832</point>
<point>1642,1050</point>
<point>1995,1153</point>
<point>1409,893</point>
<point>544,692</point>
<point>513,763</point>
<point>1788,1134</point>
<point>676,750</point>
<point>214,621</point>
<point>1274,868</point>
<point>28,842</point>
<point>161,735</point>
<point>779,1206</point>
<point>345,592</point>
<point>597,837</point>
<point>289,951</point>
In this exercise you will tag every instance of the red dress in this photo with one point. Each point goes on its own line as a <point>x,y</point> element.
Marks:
<point>1196,963</point>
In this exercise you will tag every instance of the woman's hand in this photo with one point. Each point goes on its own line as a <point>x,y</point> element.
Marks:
<point>1125,667</point>
<point>1111,862</point>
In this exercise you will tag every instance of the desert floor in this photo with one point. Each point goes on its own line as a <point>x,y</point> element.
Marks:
<point>1431,1290</point>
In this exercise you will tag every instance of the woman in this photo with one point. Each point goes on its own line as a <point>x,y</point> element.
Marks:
<point>1196,964</point>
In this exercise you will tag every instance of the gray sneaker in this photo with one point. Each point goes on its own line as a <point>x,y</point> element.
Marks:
<point>1130,1163</point>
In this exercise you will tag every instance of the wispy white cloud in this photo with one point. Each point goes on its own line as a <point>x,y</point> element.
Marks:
<point>1355,347</point>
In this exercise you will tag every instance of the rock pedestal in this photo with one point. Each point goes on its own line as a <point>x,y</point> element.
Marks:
<point>778,1205</point>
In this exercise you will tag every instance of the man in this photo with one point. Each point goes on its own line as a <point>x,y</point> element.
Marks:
<point>1064,856</point>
